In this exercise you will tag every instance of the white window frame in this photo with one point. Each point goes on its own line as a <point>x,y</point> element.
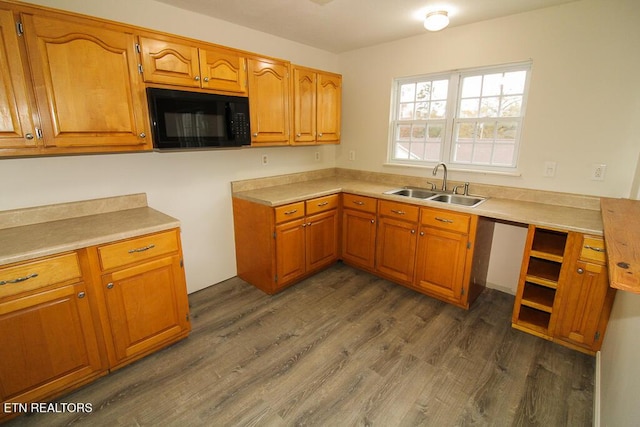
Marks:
<point>448,136</point>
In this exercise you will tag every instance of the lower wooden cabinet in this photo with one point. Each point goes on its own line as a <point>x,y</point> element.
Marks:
<point>69,318</point>
<point>276,247</point>
<point>564,294</point>
<point>49,341</point>
<point>397,238</point>
<point>359,231</point>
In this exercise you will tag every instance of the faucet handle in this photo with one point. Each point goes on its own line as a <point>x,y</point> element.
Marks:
<point>455,188</point>
<point>465,189</point>
<point>433,186</point>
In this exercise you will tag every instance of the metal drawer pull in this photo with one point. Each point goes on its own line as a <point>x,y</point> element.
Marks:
<point>398,212</point>
<point>323,204</point>
<point>291,212</point>
<point>19,279</point>
<point>593,248</point>
<point>145,248</point>
<point>448,221</point>
<point>358,202</point>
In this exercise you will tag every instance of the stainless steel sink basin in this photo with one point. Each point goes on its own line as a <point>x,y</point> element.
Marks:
<point>437,196</point>
<point>455,199</point>
<point>416,193</point>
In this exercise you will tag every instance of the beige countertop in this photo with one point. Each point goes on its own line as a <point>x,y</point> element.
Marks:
<point>35,232</point>
<point>582,220</point>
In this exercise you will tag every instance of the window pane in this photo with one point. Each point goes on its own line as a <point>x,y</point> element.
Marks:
<point>406,112</point>
<point>463,153</point>
<point>419,132</point>
<point>422,110</point>
<point>440,89</point>
<point>489,107</point>
<point>469,108</point>
<point>513,82</point>
<point>432,152</point>
<point>471,86</point>
<point>424,91</point>
<point>492,84</point>
<point>407,92</point>
<point>487,131</point>
<point>507,132</point>
<point>511,106</point>
<point>416,151</point>
<point>404,132</point>
<point>466,132</point>
<point>482,154</point>
<point>503,154</point>
<point>401,151</point>
<point>438,110</point>
<point>435,132</point>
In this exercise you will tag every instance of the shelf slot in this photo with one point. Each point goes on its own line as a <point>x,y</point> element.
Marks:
<point>538,297</point>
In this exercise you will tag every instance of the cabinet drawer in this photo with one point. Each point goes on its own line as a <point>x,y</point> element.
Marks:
<point>398,210</point>
<point>446,220</point>
<point>361,203</point>
<point>38,274</point>
<point>322,204</point>
<point>593,249</point>
<point>137,249</point>
<point>289,212</point>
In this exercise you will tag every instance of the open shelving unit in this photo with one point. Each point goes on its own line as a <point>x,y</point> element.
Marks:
<point>541,271</point>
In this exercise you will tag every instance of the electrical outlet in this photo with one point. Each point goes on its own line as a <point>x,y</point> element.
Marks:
<point>316,156</point>
<point>597,171</point>
<point>549,169</point>
<point>352,155</point>
<point>265,160</point>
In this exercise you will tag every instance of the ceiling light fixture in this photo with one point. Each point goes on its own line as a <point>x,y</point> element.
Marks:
<point>436,21</point>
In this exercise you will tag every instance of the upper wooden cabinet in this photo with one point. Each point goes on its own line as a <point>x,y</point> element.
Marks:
<point>173,62</point>
<point>268,101</point>
<point>88,91</point>
<point>17,129</point>
<point>317,98</point>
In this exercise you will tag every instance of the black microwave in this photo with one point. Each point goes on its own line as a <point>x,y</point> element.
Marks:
<point>182,120</point>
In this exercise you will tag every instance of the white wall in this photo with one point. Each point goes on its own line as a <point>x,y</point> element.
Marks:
<point>194,187</point>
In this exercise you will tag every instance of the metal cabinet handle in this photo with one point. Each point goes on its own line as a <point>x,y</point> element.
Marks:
<point>142,249</point>
<point>196,78</point>
<point>255,134</point>
<point>448,221</point>
<point>143,135</point>
<point>19,279</point>
<point>373,221</point>
<point>580,271</point>
<point>358,202</point>
<point>298,135</point>
<point>413,231</point>
<point>322,204</point>
<point>422,233</point>
<point>593,248</point>
<point>29,136</point>
<point>110,285</point>
<point>398,212</point>
<point>291,212</point>
<point>81,294</point>
<point>320,134</point>
<point>206,79</point>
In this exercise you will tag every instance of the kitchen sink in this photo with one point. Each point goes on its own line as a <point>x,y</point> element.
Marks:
<point>425,194</point>
<point>455,199</point>
<point>416,193</point>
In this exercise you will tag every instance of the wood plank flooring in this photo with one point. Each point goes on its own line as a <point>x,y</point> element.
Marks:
<point>343,348</point>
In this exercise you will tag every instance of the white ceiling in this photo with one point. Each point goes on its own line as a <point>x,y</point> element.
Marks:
<point>343,25</point>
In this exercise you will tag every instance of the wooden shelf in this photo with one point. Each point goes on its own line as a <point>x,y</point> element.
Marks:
<point>544,269</point>
<point>538,297</point>
<point>549,244</point>
<point>533,319</point>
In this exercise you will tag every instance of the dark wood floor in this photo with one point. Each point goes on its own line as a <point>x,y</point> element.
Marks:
<point>343,348</point>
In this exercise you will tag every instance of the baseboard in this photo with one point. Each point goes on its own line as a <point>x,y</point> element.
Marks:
<point>596,393</point>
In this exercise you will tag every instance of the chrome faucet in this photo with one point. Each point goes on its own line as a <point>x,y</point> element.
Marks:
<point>444,178</point>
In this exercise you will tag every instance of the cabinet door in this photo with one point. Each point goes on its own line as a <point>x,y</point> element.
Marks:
<point>17,129</point>
<point>396,251</point>
<point>290,251</point>
<point>321,239</point>
<point>359,238</point>
<point>88,90</point>
<point>169,62</point>
<point>223,70</point>
<point>329,107</point>
<point>147,307</point>
<point>269,102</point>
<point>585,295</point>
<point>304,107</point>
<point>441,263</point>
<point>47,344</point>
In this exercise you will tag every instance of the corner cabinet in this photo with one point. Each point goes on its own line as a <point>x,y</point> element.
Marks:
<point>563,292</point>
<point>317,101</point>
<point>268,101</point>
<point>172,61</point>
<point>88,93</point>
<point>276,247</point>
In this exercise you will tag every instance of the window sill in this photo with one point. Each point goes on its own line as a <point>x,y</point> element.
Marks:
<point>456,169</point>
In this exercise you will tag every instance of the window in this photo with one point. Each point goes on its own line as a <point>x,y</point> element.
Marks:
<point>471,119</point>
